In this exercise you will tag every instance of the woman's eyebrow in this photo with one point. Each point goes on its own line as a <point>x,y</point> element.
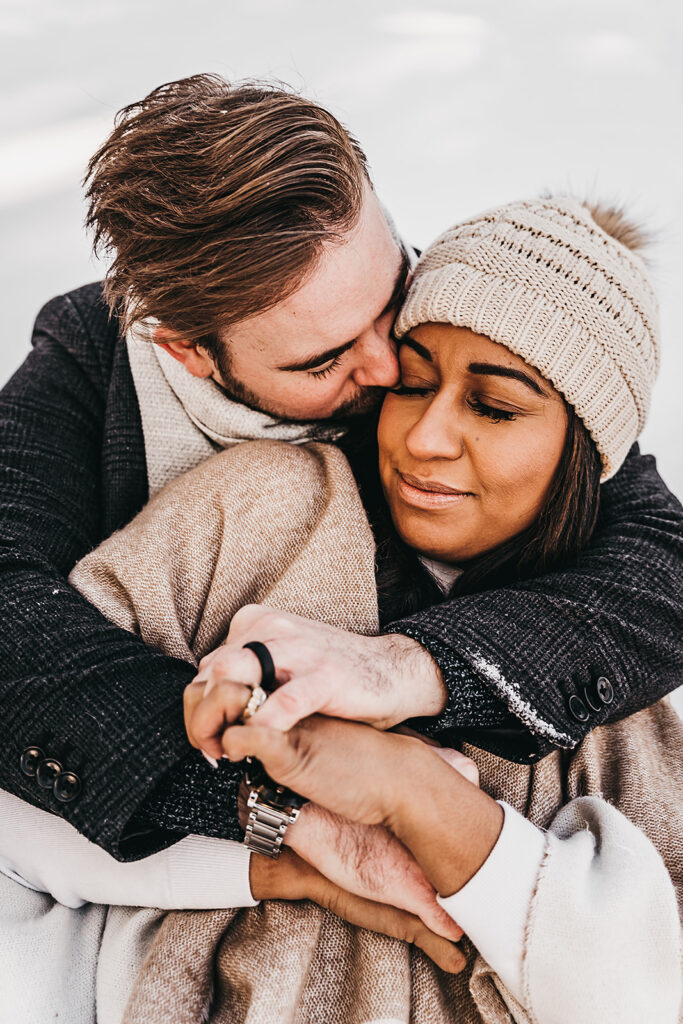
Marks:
<point>494,370</point>
<point>416,347</point>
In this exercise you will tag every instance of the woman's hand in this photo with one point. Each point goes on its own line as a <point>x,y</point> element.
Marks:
<point>211,704</point>
<point>346,767</point>
<point>381,680</point>
<point>382,778</point>
<point>291,878</point>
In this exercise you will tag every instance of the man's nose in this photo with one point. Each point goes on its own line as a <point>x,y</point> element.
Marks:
<point>377,362</point>
<point>437,434</point>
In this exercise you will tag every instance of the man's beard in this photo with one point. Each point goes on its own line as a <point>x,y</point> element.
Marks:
<point>365,401</point>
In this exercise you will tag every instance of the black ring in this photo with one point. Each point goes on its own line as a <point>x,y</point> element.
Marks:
<point>266,663</point>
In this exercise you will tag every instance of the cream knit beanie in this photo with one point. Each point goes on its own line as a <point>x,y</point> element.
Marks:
<point>542,278</point>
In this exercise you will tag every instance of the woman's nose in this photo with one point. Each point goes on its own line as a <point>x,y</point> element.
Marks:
<point>377,362</point>
<point>437,434</point>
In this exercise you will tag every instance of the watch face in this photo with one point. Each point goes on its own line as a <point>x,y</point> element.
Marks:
<point>269,792</point>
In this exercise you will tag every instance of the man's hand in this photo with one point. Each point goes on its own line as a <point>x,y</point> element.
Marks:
<point>379,680</point>
<point>291,878</point>
<point>382,778</point>
<point>368,861</point>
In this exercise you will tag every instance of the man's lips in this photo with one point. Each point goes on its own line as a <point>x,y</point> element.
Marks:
<point>428,493</point>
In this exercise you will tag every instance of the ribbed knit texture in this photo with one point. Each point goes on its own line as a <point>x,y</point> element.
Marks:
<point>543,279</point>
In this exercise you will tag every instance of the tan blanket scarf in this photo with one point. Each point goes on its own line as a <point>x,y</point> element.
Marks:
<point>282,525</point>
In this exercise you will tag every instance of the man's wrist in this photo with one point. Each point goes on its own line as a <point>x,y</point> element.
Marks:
<point>415,678</point>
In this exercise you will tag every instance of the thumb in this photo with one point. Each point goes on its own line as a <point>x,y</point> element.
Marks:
<point>277,751</point>
<point>465,765</point>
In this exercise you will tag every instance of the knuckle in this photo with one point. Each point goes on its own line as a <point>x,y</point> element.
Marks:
<point>242,617</point>
<point>411,929</point>
<point>290,699</point>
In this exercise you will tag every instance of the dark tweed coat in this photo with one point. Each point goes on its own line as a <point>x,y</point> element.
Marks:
<point>528,667</point>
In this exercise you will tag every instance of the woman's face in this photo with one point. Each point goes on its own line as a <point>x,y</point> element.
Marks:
<point>469,443</point>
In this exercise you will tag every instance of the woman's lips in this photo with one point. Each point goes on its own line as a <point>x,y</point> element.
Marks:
<point>428,493</point>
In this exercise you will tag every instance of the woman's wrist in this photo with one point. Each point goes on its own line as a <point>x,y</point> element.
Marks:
<point>448,824</point>
<point>285,878</point>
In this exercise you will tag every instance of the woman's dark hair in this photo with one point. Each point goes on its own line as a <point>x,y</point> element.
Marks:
<point>563,527</point>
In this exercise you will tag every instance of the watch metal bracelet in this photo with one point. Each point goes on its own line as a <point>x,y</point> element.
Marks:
<point>266,825</point>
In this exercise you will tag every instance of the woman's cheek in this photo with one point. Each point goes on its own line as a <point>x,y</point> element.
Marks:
<point>523,469</point>
<point>391,430</point>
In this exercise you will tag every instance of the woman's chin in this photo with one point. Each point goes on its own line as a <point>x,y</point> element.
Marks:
<point>443,541</point>
<point>438,548</point>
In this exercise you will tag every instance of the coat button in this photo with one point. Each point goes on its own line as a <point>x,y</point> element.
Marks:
<point>604,690</point>
<point>48,771</point>
<point>30,759</point>
<point>591,700</point>
<point>577,708</point>
<point>66,787</point>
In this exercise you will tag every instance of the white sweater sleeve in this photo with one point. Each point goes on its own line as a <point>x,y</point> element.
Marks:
<point>603,933</point>
<point>600,940</point>
<point>46,853</point>
<point>494,905</point>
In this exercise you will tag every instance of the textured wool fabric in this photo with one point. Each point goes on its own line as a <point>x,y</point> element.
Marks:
<point>72,470</point>
<point>186,419</point>
<point>313,966</point>
<point>543,279</point>
<point>263,522</point>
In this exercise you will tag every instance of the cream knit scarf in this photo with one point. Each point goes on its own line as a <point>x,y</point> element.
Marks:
<point>186,419</point>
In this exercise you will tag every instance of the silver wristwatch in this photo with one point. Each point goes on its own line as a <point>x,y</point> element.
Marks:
<point>271,810</point>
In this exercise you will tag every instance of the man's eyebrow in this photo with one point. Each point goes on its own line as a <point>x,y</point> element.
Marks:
<point>494,370</point>
<point>332,353</point>
<point>416,347</point>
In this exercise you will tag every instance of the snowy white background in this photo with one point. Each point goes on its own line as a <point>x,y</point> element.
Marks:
<point>459,103</point>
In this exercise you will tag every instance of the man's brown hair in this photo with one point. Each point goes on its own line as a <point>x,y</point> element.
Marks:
<point>216,201</point>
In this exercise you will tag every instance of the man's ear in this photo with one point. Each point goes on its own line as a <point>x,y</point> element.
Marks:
<point>194,358</point>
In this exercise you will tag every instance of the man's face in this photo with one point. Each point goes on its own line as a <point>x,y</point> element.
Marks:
<point>326,351</point>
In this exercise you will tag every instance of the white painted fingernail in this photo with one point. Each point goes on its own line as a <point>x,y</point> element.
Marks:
<point>212,760</point>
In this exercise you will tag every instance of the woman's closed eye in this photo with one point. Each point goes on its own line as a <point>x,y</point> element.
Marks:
<point>414,384</point>
<point>491,412</point>
<point>495,414</point>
